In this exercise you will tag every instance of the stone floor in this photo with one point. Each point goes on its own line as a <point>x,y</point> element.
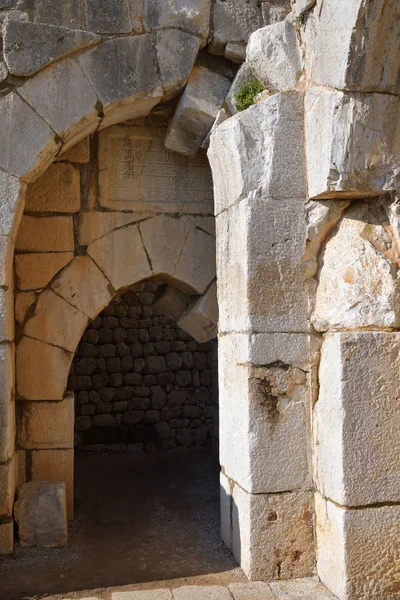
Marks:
<point>142,524</point>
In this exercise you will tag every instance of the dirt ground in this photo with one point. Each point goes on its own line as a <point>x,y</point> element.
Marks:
<point>138,520</point>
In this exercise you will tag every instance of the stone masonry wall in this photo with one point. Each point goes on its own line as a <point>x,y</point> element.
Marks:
<point>140,382</point>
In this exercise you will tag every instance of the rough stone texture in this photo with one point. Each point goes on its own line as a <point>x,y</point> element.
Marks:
<point>47,424</point>
<point>23,301</point>
<point>46,234</point>
<point>266,406</point>
<point>192,16</point>
<point>7,538</point>
<point>63,97</point>
<point>176,54</point>
<point>77,154</point>
<point>254,590</point>
<point>11,196</point>
<point>197,592</point>
<point>58,190</point>
<point>274,11</point>
<point>139,379</point>
<point>7,487</point>
<point>356,419</point>
<point>56,465</point>
<point>197,110</point>
<point>26,149</point>
<point>28,47</point>
<point>353,143</point>
<point>94,225</point>
<point>34,361</point>
<point>171,302</point>
<point>301,589</point>
<point>357,285</point>
<point>273,53</point>
<point>196,265</point>
<point>65,14</point>
<point>201,319</point>
<point>361,44</point>
<point>358,555</point>
<point>7,405</point>
<point>109,69</point>
<point>107,18</point>
<point>232,23</point>
<point>35,271</point>
<point>41,515</point>
<point>271,535</point>
<point>243,76</point>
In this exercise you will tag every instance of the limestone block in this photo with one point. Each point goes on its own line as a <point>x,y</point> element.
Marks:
<point>192,16</point>
<point>41,515</point>
<point>7,538</point>
<point>254,590</point>
<point>28,47</point>
<point>254,152</point>
<point>197,110</point>
<point>3,71</point>
<point>243,77</point>
<point>27,144</point>
<point>7,405</point>
<point>34,361</point>
<point>361,43</point>
<point>57,190</point>
<point>274,56</point>
<point>356,419</point>
<point>171,302</point>
<point>176,53</point>
<point>35,271</point>
<point>65,99</point>
<point>12,191</point>
<point>7,487</point>
<point>358,555</point>
<point>94,225</point>
<point>267,407</point>
<point>56,465</point>
<point>196,265</point>
<point>6,260</point>
<point>353,142</point>
<point>260,243</point>
<point>72,286</point>
<point>80,153</point>
<point>301,589</point>
<point>6,317</point>
<point>109,69</point>
<point>66,13</point>
<point>235,52</point>
<point>113,254</point>
<point>56,322</point>
<point>273,349</point>
<point>274,11</point>
<point>23,302</point>
<point>272,534</point>
<point>103,17</point>
<point>221,117</point>
<point>201,318</point>
<point>233,22</point>
<point>143,595</point>
<point>47,234</point>
<point>47,424</point>
<point>357,286</point>
<point>137,10</point>
<point>200,592</point>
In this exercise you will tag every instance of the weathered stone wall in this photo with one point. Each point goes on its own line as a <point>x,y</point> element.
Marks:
<point>141,383</point>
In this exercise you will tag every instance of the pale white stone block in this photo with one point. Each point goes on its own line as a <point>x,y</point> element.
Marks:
<point>358,554</point>
<point>201,592</point>
<point>7,405</point>
<point>357,419</point>
<point>176,53</point>
<point>353,143</point>
<point>191,15</point>
<point>47,424</point>
<point>253,590</point>
<point>196,264</point>
<point>201,319</point>
<point>12,192</point>
<point>301,589</point>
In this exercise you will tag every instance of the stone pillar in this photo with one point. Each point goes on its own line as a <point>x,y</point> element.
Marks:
<point>264,343</point>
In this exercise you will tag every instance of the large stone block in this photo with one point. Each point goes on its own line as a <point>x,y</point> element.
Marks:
<point>80,153</point>
<point>47,234</point>
<point>232,23</point>
<point>7,537</point>
<point>271,535</point>
<point>7,405</point>
<point>260,243</point>
<point>40,512</point>
<point>94,225</point>
<point>192,16</point>
<point>66,13</point>
<point>176,53</point>
<point>353,141</point>
<point>356,419</point>
<point>196,265</point>
<point>110,69</point>
<point>56,465</point>
<point>356,283</point>
<point>63,97</point>
<point>12,191</point>
<point>172,302</point>
<point>47,424</point>
<point>23,302</point>
<point>258,151</point>
<point>255,590</point>
<point>275,57</point>
<point>358,554</point>
<point>72,286</point>
<point>34,361</point>
<point>201,318</point>
<point>7,487</point>
<point>57,190</point>
<point>56,322</point>
<point>199,592</point>
<point>107,18</point>
<point>266,405</point>
<point>28,47</point>
<point>358,47</point>
<point>35,271</point>
<point>113,254</point>
<point>197,110</point>
<point>27,144</point>
<point>301,589</point>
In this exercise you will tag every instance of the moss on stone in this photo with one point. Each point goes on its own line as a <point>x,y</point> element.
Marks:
<point>245,96</point>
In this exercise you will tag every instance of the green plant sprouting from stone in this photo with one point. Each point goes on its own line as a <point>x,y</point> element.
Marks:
<point>245,96</point>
